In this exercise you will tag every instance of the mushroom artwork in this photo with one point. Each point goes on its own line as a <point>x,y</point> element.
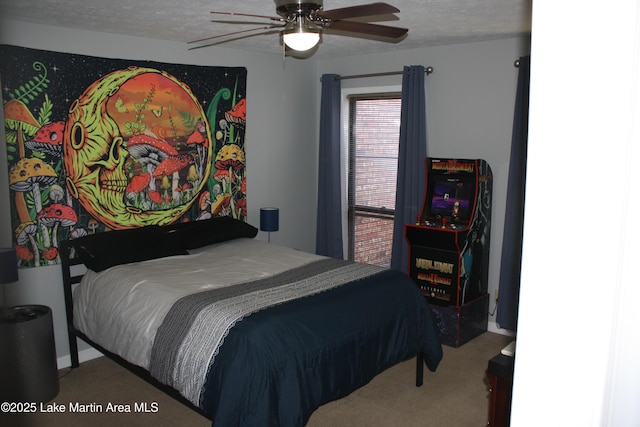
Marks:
<point>55,215</point>
<point>18,118</point>
<point>202,145</point>
<point>56,193</point>
<point>241,204</point>
<point>129,144</point>
<point>137,184</point>
<point>241,207</point>
<point>186,191</point>
<point>25,233</point>
<point>111,136</point>
<point>192,176</point>
<point>222,176</point>
<point>237,115</point>
<point>171,166</point>
<point>203,203</point>
<point>150,152</point>
<point>50,253</point>
<point>48,139</point>
<point>92,225</point>
<point>24,254</point>
<point>155,197</point>
<point>31,174</point>
<point>76,233</point>
<point>165,186</point>
<point>219,205</point>
<point>231,159</point>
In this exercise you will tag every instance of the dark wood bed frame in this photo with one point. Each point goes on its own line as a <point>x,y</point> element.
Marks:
<point>71,278</point>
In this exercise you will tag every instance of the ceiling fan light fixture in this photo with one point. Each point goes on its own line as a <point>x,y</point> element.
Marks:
<point>301,41</point>
<point>301,35</point>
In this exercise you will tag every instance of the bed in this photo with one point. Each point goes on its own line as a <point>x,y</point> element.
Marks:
<point>245,332</point>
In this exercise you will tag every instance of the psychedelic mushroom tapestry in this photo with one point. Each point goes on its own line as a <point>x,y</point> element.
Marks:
<point>96,144</point>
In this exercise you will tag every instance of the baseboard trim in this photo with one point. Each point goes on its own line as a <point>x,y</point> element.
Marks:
<point>83,356</point>
<point>493,327</point>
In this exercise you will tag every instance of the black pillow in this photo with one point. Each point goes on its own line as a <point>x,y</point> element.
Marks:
<point>103,250</point>
<point>196,234</point>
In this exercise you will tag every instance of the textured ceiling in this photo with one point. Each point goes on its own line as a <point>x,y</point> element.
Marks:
<point>430,22</point>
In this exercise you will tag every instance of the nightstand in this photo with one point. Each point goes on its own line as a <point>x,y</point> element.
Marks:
<point>28,366</point>
<point>500,372</point>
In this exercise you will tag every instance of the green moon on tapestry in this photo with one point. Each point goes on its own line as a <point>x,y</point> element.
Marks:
<point>97,144</point>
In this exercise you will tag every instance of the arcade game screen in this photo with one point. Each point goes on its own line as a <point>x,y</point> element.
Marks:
<point>451,197</point>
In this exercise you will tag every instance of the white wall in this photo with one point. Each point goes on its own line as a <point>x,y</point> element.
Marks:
<point>470,102</point>
<point>577,361</point>
<point>280,144</point>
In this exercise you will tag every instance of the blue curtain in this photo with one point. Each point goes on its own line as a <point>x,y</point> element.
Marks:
<point>511,261</point>
<point>329,221</point>
<point>412,152</point>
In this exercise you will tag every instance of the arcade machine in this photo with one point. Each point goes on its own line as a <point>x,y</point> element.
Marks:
<point>449,246</point>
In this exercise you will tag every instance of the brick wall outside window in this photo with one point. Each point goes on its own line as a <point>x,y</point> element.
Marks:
<point>373,238</point>
<point>375,127</point>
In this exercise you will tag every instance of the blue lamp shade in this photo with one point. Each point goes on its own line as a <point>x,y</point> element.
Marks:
<point>8,265</point>
<point>269,219</point>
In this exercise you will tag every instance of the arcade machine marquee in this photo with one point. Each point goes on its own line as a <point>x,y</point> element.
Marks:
<point>449,244</point>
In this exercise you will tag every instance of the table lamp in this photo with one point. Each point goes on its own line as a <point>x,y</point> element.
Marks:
<point>269,220</point>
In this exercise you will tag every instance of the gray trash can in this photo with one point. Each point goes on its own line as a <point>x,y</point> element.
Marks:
<point>28,366</point>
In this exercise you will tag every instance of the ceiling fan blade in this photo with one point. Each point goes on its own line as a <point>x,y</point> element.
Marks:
<point>358,11</point>
<point>268,27</point>
<point>235,38</point>
<point>273,18</point>
<point>371,29</point>
<point>229,21</point>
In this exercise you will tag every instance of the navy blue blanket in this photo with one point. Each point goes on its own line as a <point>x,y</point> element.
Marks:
<point>276,366</point>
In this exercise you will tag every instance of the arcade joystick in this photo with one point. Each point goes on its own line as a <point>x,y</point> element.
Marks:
<point>444,222</point>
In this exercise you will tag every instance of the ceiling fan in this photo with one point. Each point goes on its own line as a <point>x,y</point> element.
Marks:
<point>302,21</point>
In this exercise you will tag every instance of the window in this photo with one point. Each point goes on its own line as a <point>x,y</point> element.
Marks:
<point>374,133</point>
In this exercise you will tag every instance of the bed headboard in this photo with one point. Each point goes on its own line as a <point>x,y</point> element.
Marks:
<point>103,250</point>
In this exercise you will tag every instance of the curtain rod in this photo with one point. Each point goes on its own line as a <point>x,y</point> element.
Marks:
<point>427,70</point>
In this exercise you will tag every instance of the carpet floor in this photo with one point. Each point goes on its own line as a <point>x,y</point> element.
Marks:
<point>456,395</point>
